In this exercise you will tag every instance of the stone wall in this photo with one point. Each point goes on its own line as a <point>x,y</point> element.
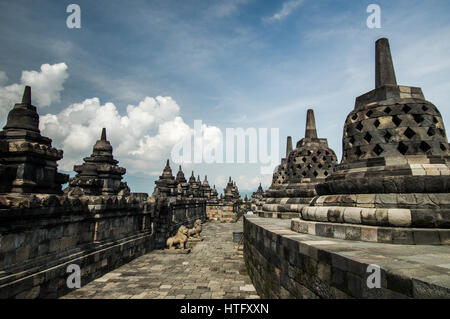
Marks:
<point>284,264</point>
<point>225,212</point>
<point>170,215</point>
<point>40,235</point>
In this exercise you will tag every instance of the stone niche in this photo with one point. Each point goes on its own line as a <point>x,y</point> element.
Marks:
<point>393,183</point>
<point>294,180</point>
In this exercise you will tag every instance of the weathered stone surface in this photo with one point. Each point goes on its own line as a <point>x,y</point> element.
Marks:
<point>333,268</point>
<point>27,159</point>
<point>43,233</point>
<point>399,217</point>
<point>384,67</point>
<point>297,175</point>
<point>395,157</point>
<point>214,269</point>
<point>99,174</point>
<point>404,236</point>
<point>45,239</point>
<point>228,208</point>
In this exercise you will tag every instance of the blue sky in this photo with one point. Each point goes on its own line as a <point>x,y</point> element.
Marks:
<point>229,63</point>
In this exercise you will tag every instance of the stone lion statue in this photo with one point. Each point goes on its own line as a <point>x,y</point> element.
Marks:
<point>179,239</point>
<point>195,232</point>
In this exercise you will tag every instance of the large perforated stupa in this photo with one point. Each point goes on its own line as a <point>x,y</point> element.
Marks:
<point>393,184</point>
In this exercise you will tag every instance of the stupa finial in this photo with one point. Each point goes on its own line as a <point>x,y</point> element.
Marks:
<point>288,146</point>
<point>103,137</point>
<point>26,98</point>
<point>384,67</point>
<point>311,131</point>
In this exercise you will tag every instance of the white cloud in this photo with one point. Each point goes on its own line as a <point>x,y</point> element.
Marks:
<point>247,183</point>
<point>3,78</point>
<point>227,8</point>
<point>157,148</point>
<point>142,138</point>
<point>46,85</point>
<point>287,8</point>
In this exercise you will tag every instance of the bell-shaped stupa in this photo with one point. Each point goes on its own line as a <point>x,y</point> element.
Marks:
<point>294,181</point>
<point>100,173</point>
<point>28,162</point>
<point>394,178</point>
<point>166,185</point>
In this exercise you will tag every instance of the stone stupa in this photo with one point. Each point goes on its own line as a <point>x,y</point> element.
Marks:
<point>100,173</point>
<point>28,162</point>
<point>166,185</point>
<point>231,192</point>
<point>257,199</point>
<point>206,189</point>
<point>194,188</point>
<point>280,175</point>
<point>393,184</point>
<point>294,181</point>
<point>182,183</point>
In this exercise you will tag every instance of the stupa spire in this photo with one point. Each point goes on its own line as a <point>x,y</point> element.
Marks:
<point>311,131</point>
<point>103,137</point>
<point>260,189</point>
<point>288,146</point>
<point>26,98</point>
<point>180,175</point>
<point>384,67</point>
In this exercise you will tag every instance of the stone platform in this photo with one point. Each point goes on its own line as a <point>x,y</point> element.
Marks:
<point>280,215</point>
<point>285,264</point>
<point>376,234</point>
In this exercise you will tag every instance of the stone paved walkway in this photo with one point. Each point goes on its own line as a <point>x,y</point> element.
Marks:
<point>214,269</point>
